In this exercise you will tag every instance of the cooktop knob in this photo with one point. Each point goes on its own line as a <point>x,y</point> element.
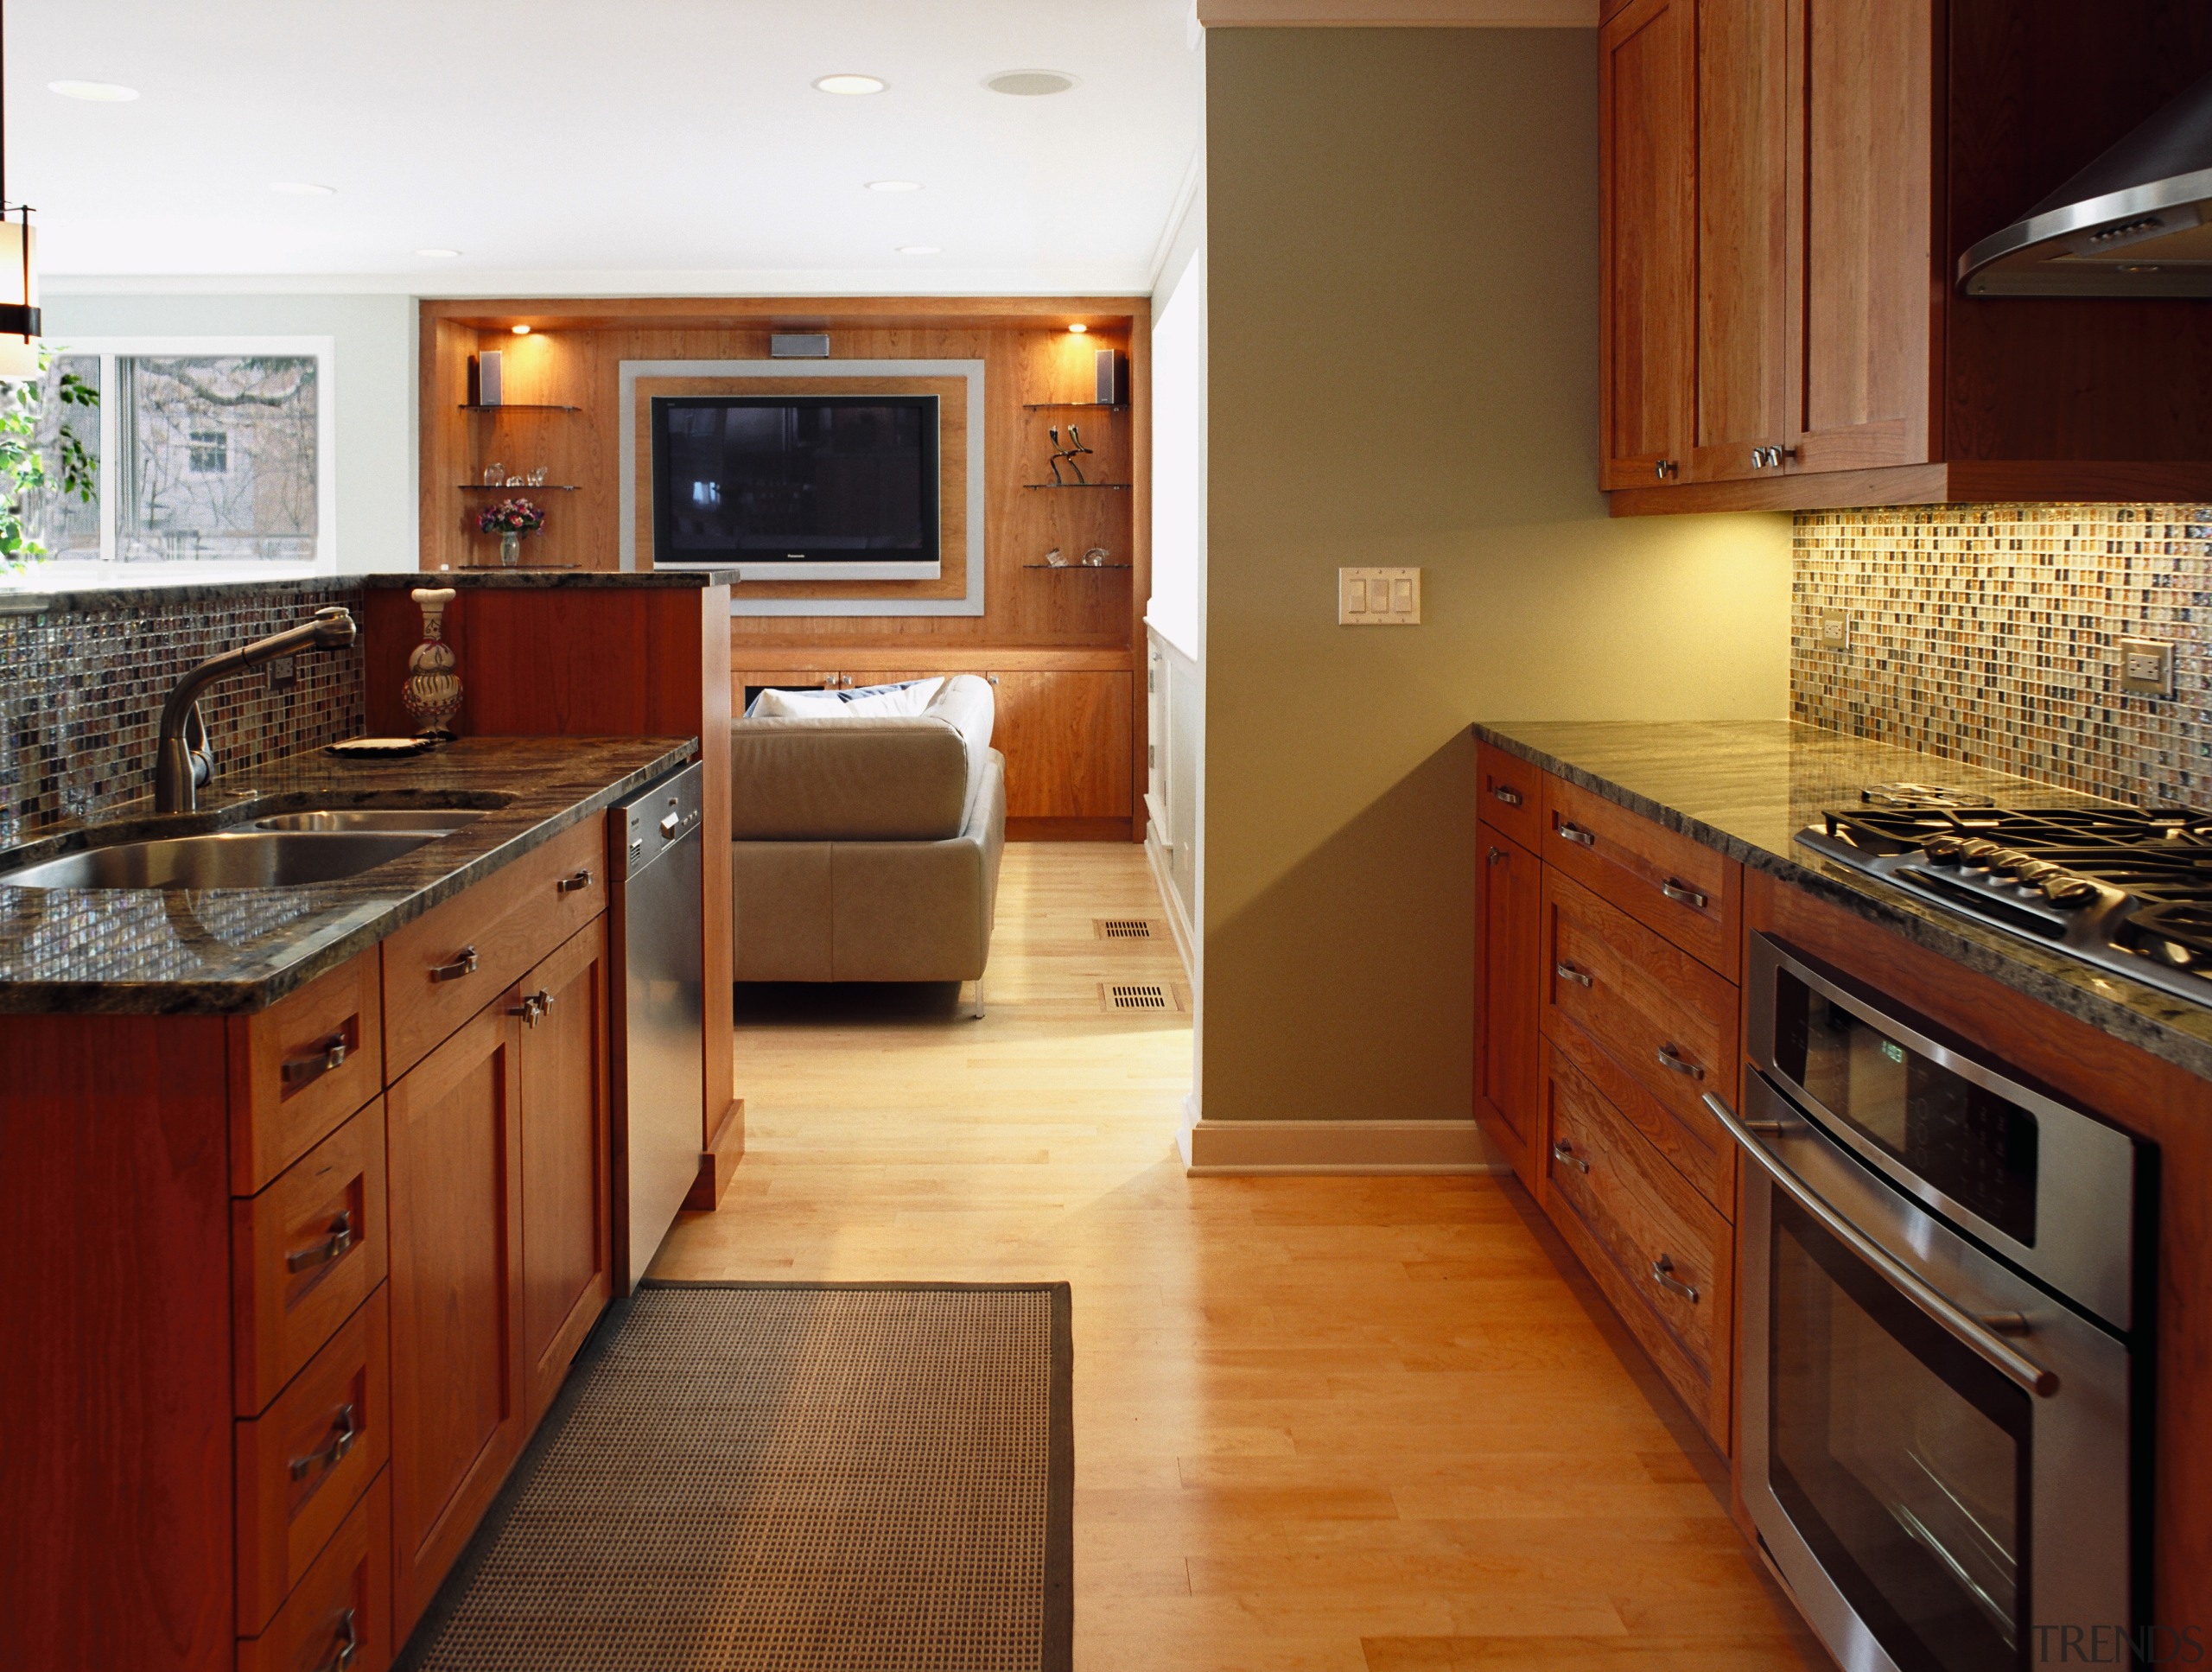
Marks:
<point>2036,870</point>
<point>1943,850</point>
<point>2007,861</point>
<point>1978,852</point>
<point>2070,893</point>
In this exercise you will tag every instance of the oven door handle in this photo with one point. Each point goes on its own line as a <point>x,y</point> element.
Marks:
<point>1999,1352</point>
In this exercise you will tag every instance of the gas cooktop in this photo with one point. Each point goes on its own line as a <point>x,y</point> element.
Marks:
<point>2129,891</point>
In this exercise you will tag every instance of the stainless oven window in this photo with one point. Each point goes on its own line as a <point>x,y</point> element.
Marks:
<point>1901,1457</point>
<point>1974,1146</point>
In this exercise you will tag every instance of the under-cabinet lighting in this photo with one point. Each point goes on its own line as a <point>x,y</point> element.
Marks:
<point>1077,330</point>
<point>521,330</point>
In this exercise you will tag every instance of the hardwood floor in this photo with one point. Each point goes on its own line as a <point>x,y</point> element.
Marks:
<point>1350,1425</point>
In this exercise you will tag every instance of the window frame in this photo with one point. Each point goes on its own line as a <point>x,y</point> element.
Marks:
<point>110,349</point>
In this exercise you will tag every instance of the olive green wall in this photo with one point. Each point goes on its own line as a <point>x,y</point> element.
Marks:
<point>1402,250</point>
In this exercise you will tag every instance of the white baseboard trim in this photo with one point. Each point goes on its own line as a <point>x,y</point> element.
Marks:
<point>1179,924</point>
<point>1212,1148</point>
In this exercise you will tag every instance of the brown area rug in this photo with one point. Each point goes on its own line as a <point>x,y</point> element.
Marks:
<point>787,1478</point>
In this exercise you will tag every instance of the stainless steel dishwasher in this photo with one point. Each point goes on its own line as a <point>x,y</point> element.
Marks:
<point>659,1062</point>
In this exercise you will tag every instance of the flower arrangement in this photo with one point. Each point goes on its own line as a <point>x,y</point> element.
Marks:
<point>511,517</point>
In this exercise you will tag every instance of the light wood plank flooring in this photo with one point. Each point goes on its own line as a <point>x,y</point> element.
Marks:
<point>1358,1425</point>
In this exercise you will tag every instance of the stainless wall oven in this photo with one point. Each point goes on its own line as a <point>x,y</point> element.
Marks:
<point>1945,1371</point>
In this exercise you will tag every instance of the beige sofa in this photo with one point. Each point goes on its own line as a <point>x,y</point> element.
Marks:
<point>867,849</point>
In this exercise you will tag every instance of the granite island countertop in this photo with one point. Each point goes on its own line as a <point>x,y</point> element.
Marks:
<point>152,952</point>
<point>1747,788</point>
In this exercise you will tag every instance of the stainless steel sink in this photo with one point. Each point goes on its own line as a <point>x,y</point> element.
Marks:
<point>239,859</point>
<point>416,820</point>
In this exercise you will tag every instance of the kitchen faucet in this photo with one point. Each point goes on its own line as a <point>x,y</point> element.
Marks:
<point>185,759</point>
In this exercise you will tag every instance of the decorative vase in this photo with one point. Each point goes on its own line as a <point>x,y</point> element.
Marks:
<point>432,692</point>
<point>510,549</point>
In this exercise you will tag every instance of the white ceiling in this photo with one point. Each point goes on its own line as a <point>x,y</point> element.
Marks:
<point>653,145</point>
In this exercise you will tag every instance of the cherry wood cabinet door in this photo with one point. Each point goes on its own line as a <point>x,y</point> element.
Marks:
<point>566,1277</point>
<point>1742,390</point>
<point>1864,296</point>
<point>1065,736</point>
<point>1509,895</point>
<point>455,1151</point>
<point>1647,148</point>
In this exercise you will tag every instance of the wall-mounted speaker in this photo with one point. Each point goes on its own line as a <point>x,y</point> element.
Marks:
<point>1113,376</point>
<point>798,345</point>
<point>485,379</point>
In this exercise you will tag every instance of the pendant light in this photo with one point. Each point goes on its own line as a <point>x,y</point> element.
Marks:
<point>19,310</point>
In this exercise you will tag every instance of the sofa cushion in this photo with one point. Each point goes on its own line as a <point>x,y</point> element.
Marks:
<point>911,697</point>
<point>863,778</point>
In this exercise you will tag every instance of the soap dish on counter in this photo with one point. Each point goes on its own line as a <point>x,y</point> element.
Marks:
<point>380,749</point>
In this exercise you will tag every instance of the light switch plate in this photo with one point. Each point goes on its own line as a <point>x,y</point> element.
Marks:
<point>1835,629</point>
<point>1378,597</point>
<point>2147,667</point>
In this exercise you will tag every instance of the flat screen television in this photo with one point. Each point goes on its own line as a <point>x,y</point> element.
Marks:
<point>798,487</point>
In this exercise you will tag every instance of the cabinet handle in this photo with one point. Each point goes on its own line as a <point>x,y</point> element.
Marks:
<point>348,1646</point>
<point>1577,835</point>
<point>319,1061</point>
<point>1670,1058</point>
<point>333,1455</point>
<point>573,885</point>
<point>1662,1274</point>
<point>1675,889</point>
<point>1567,971</point>
<point>1664,468</point>
<point>1497,856</point>
<point>1564,1151</point>
<point>463,964</point>
<point>339,1239</point>
<point>533,1008</point>
<point>1506,793</point>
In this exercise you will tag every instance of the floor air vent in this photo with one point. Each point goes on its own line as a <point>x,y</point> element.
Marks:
<point>1155,996</point>
<point>1121,928</point>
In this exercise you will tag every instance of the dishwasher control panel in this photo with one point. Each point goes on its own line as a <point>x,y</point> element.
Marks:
<point>659,818</point>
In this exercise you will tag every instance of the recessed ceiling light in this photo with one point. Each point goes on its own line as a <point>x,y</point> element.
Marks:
<point>1030,84</point>
<point>919,250</point>
<point>851,85</point>
<point>439,255</point>
<point>894,185</point>
<point>1078,329</point>
<point>521,330</point>
<point>302,188</point>
<point>96,92</point>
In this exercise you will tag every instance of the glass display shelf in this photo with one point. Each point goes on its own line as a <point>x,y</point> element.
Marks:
<point>1122,487</point>
<point>517,406</point>
<point>1075,406</point>
<point>1072,567</point>
<point>518,487</point>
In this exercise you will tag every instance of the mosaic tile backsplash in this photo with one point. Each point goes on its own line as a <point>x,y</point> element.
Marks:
<point>1989,634</point>
<point>81,690</point>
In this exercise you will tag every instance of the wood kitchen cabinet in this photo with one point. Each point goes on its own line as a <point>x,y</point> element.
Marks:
<point>1509,895</point>
<point>1787,186</point>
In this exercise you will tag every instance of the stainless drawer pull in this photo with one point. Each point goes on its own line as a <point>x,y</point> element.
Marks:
<point>1662,1274</point>
<point>333,1455</point>
<point>349,1646</point>
<point>1681,891</point>
<point>1670,1058</point>
<point>1972,1331</point>
<point>1563,1151</point>
<point>1569,972</point>
<point>1497,856</point>
<point>573,885</point>
<point>464,964</point>
<point>533,1008</point>
<point>302,1070</point>
<point>1576,834</point>
<point>339,1239</point>
<point>1506,793</point>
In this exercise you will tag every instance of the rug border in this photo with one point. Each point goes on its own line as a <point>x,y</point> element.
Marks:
<point>1058,1648</point>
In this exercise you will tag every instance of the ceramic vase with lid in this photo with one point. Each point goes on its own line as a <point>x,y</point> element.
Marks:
<point>432,692</point>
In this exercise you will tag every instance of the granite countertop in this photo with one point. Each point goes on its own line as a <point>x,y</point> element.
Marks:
<point>152,952</point>
<point>529,579</point>
<point>1747,788</point>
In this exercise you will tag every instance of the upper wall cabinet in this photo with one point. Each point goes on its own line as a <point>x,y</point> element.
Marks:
<point>1786,188</point>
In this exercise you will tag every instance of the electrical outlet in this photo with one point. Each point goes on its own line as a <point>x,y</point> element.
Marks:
<point>1378,597</point>
<point>283,673</point>
<point>1835,629</point>
<point>2147,667</point>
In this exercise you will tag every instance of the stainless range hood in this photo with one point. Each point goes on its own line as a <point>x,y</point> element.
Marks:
<point>2137,222</point>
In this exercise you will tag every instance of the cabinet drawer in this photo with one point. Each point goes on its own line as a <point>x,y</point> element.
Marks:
<point>1653,1026</point>
<point>304,1255</point>
<point>1664,1257</point>
<point>1683,889</point>
<point>304,1462</point>
<point>300,1067</point>
<point>1509,793</point>
<point>447,965</point>
<point>343,1602</point>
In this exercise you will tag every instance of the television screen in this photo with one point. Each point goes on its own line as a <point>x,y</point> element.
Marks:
<point>795,479</point>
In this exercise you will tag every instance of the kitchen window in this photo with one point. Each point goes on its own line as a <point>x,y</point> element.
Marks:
<point>213,453</point>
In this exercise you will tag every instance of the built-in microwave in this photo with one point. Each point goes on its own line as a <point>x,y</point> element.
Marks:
<point>1945,1378</point>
